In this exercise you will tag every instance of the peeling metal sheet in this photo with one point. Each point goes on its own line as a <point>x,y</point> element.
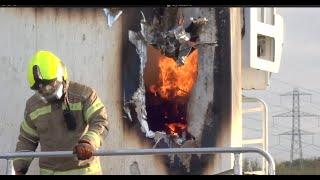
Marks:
<point>138,97</point>
<point>177,42</point>
<point>112,15</point>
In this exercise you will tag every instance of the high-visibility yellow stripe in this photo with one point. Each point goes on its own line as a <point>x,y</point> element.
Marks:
<point>73,106</point>
<point>40,111</point>
<point>93,169</point>
<point>32,132</point>
<point>94,136</point>
<point>93,108</point>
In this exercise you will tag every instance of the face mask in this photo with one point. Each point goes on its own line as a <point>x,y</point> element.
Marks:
<point>56,95</point>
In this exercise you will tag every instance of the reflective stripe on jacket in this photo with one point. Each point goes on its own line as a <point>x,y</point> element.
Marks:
<point>44,123</point>
<point>94,169</point>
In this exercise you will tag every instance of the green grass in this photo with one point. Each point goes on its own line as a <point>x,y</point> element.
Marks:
<point>309,167</point>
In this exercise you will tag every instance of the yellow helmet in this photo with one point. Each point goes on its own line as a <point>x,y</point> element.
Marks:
<point>45,67</point>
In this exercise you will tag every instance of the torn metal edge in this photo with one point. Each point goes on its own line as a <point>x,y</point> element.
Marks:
<point>138,98</point>
<point>112,17</point>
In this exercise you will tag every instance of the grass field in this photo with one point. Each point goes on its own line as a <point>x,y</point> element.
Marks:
<point>309,167</point>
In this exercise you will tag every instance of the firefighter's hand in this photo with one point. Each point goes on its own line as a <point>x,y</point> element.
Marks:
<point>83,150</point>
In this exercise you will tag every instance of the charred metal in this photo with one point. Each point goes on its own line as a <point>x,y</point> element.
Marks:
<point>170,48</point>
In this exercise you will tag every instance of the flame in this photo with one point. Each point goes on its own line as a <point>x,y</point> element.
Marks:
<point>175,81</point>
<point>169,85</point>
<point>175,128</point>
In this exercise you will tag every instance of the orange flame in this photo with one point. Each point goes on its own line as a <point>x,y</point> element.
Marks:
<point>175,128</point>
<point>168,81</point>
<point>176,81</point>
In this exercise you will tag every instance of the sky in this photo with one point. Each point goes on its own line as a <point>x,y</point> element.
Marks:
<point>300,67</point>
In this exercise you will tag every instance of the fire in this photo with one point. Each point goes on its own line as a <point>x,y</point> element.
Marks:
<point>173,80</point>
<point>169,86</point>
<point>176,128</point>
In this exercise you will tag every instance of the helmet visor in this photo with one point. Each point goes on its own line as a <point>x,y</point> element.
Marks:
<point>47,89</point>
<point>52,91</point>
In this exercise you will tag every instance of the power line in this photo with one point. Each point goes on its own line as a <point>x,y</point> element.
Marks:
<point>303,142</point>
<point>279,149</point>
<point>284,149</point>
<point>309,150</point>
<point>315,105</point>
<point>293,85</point>
<point>278,125</point>
<point>296,132</point>
<point>282,107</point>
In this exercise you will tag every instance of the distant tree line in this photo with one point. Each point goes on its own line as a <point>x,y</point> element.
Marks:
<point>309,167</point>
<point>251,165</point>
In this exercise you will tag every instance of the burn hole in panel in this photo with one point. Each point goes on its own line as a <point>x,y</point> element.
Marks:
<point>168,87</point>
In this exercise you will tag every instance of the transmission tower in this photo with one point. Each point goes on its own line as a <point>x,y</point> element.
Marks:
<point>296,132</point>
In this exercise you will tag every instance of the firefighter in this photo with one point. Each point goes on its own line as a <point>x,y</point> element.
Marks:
<point>62,115</point>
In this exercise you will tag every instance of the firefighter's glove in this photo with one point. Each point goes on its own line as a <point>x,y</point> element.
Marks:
<point>83,150</point>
